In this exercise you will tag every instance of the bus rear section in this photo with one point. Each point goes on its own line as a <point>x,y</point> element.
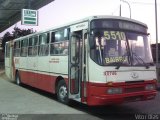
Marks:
<point>9,59</point>
<point>121,67</point>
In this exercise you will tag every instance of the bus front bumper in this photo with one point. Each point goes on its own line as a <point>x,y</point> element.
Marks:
<point>118,99</point>
<point>97,95</point>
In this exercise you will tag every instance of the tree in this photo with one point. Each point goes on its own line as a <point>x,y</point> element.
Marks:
<point>7,37</point>
<point>15,34</point>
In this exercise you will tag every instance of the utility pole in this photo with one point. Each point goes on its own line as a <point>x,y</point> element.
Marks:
<point>157,56</point>
<point>29,4</point>
<point>120,10</point>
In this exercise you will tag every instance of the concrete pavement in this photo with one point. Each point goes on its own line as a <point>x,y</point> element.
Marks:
<point>16,100</point>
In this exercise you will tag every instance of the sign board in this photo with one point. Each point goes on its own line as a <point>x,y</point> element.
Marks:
<point>29,17</point>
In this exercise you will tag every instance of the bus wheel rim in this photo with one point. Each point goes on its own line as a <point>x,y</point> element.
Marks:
<point>62,92</point>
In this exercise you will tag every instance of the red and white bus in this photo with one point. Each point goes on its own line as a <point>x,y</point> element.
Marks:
<point>97,61</point>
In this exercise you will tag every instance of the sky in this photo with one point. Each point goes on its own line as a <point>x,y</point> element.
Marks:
<point>60,12</point>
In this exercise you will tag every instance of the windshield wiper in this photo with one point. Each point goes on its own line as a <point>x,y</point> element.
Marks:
<point>120,63</point>
<point>139,58</point>
<point>123,57</point>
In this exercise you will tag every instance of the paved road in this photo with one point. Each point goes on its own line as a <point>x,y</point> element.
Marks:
<point>126,111</point>
<point>27,100</point>
<point>15,99</point>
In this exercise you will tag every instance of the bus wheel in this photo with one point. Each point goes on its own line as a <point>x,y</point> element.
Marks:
<point>62,92</point>
<point>18,81</point>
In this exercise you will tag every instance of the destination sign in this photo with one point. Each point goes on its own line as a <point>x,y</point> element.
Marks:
<point>118,24</point>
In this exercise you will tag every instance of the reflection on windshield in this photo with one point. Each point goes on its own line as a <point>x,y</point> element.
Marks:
<point>112,47</point>
<point>140,47</point>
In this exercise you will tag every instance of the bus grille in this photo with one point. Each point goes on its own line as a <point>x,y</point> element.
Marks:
<point>134,89</point>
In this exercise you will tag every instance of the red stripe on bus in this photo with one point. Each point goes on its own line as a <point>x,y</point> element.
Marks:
<point>41,81</point>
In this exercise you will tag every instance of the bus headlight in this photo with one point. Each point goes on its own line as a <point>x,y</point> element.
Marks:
<point>150,87</point>
<point>114,90</point>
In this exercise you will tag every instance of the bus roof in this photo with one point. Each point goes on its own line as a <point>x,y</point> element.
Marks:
<point>86,19</point>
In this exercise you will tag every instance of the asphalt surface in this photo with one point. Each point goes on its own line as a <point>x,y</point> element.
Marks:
<point>26,103</point>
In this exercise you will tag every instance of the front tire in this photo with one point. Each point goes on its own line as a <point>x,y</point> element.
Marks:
<point>18,81</point>
<point>62,92</point>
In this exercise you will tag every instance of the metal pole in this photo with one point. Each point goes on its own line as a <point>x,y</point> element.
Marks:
<point>129,6</point>
<point>29,4</point>
<point>120,9</point>
<point>157,56</point>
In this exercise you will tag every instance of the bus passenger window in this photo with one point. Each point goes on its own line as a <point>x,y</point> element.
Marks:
<point>17,49</point>
<point>43,45</point>
<point>24,46</point>
<point>59,36</point>
<point>33,46</point>
<point>59,42</point>
<point>52,37</point>
<point>59,48</point>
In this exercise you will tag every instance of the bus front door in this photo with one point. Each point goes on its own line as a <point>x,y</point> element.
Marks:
<point>76,61</point>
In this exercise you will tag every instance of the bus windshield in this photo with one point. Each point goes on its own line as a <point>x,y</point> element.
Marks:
<point>112,47</point>
<point>140,48</point>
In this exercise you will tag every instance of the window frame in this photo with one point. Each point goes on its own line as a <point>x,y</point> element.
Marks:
<point>65,40</point>
<point>41,47</point>
<point>33,46</point>
<point>17,48</point>
<point>25,54</point>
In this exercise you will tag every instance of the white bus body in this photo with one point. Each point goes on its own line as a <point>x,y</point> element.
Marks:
<point>97,61</point>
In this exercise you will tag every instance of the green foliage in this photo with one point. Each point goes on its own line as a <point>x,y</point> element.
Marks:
<point>15,34</point>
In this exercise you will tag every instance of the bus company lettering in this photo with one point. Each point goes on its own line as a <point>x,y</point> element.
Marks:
<point>115,59</point>
<point>54,60</point>
<point>109,73</point>
<point>81,25</point>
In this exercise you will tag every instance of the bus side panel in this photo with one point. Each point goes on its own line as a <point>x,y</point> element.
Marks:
<point>32,66</point>
<point>44,81</point>
<point>43,75</point>
<point>23,62</point>
<point>59,65</point>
